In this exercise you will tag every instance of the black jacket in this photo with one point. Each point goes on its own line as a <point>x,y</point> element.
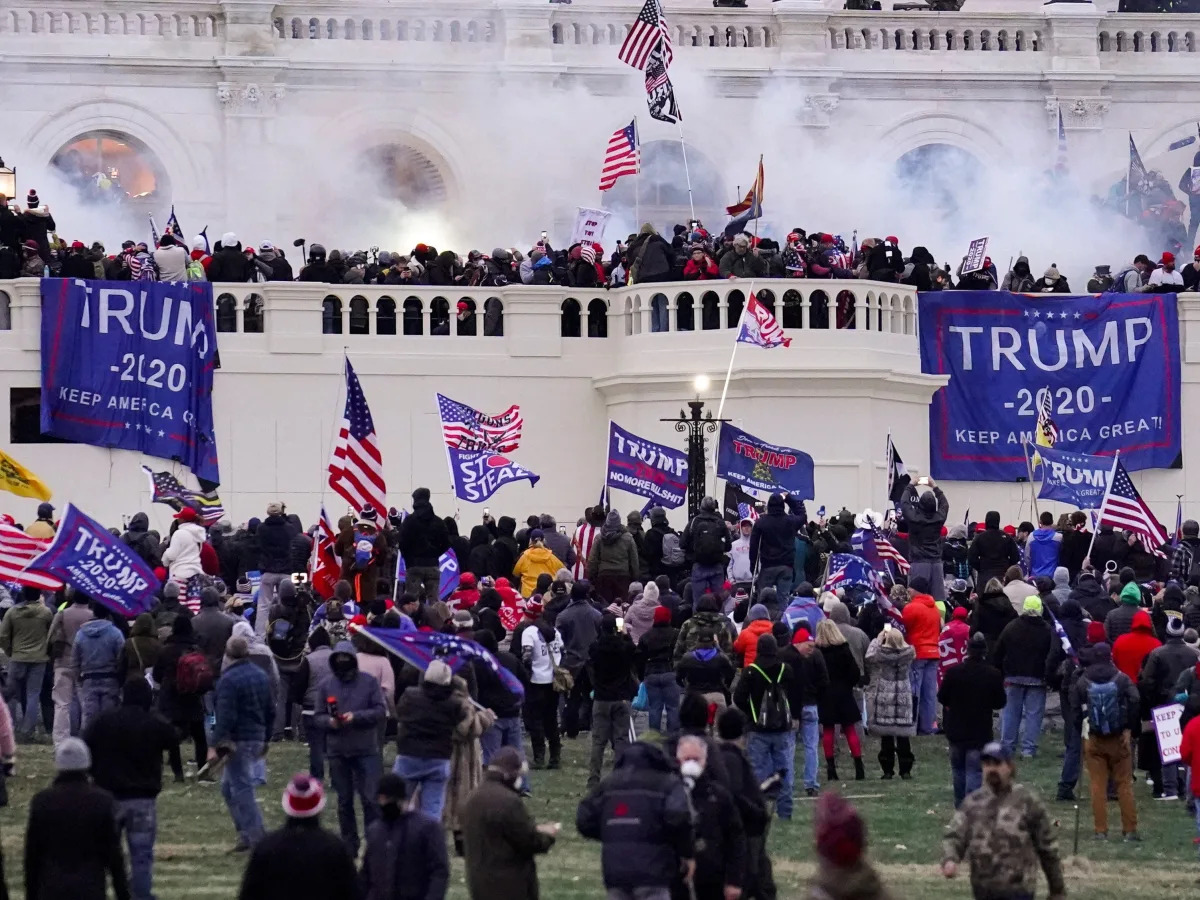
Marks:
<point>301,859</point>
<point>720,837</point>
<point>656,650</point>
<point>405,859</point>
<point>504,550</point>
<point>810,678</point>
<point>1108,546</point>
<point>970,692</point>
<point>924,525</point>
<point>705,523</point>
<point>423,537</point>
<point>1092,596</point>
<point>610,664</point>
<point>1162,668</point>
<point>1073,551</point>
<point>490,690</point>
<point>76,265</point>
<point>992,552</point>
<point>275,535</point>
<point>745,789</point>
<point>773,538</point>
<point>711,675</point>
<point>426,716</point>
<point>127,747</point>
<point>1024,648</point>
<point>992,613</point>
<point>230,264</point>
<point>138,539</point>
<point>641,816</point>
<point>72,845</point>
<point>753,685</point>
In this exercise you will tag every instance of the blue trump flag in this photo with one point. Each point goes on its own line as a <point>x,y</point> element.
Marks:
<point>87,557</point>
<point>130,365</point>
<point>752,462</point>
<point>1110,364</point>
<point>420,648</point>
<point>1074,478</point>
<point>478,474</point>
<point>645,468</point>
<point>448,574</point>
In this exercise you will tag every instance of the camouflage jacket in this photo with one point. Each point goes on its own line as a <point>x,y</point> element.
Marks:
<point>1003,838</point>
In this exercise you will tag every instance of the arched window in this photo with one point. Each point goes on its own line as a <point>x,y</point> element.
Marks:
<point>360,316</point>
<point>111,167</point>
<point>252,315</point>
<point>385,316</point>
<point>661,194</point>
<point>939,175</point>
<point>439,316</point>
<point>405,174</point>
<point>331,316</point>
<point>412,316</point>
<point>5,312</point>
<point>570,318</point>
<point>597,323</point>
<point>226,313</point>
<point>493,317</point>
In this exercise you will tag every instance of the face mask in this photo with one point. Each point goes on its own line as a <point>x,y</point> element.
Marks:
<point>691,769</point>
<point>343,668</point>
<point>390,812</point>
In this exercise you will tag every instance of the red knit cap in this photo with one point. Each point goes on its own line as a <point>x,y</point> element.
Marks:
<point>801,636</point>
<point>840,831</point>
<point>1095,633</point>
<point>304,797</point>
<point>662,615</point>
<point>960,612</point>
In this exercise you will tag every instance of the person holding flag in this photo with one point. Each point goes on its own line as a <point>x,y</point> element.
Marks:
<point>924,516</point>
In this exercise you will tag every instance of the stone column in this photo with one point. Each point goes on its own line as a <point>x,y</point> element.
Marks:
<point>252,174</point>
<point>525,28</point>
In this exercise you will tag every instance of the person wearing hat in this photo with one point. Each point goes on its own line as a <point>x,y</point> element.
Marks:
<point>275,535</point>
<point>925,515</point>
<point>1051,282</point>
<point>1109,700</point>
<point>38,224</point>
<point>76,264</point>
<point>228,262</point>
<point>655,669</point>
<point>1156,686</point>
<point>423,539</point>
<point>127,746</point>
<point>426,718</point>
<point>406,850</point>
<point>758,623</point>
<point>843,873</point>
<point>1191,272</point>
<point>182,556</point>
<point>1101,281</point>
<point>301,859</point>
<point>272,263</point>
<point>1021,655</point>
<point>740,573</point>
<point>1165,278</point>
<point>970,692</point>
<point>23,638</point>
<point>43,527</point>
<point>72,841</point>
<point>1019,280</point>
<point>1003,833</point>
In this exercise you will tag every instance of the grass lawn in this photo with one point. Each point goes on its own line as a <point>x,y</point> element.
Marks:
<point>905,822</point>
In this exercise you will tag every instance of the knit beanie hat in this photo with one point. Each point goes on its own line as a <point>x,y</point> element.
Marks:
<point>1102,652</point>
<point>1175,624</point>
<point>72,755</point>
<point>32,200</point>
<point>1095,633</point>
<point>840,831</point>
<point>1191,637</point>
<point>1032,606</point>
<point>304,797</point>
<point>662,615</point>
<point>437,672</point>
<point>758,613</point>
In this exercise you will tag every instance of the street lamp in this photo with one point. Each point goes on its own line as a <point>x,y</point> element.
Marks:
<point>8,181</point>
<point>695,425</point>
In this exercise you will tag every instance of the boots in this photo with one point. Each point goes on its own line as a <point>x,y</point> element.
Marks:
<point>859,772</point>
<point>887,764</point>
<point>830,769</point>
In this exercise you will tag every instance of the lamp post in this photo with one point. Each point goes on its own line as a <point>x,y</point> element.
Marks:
<point>8,181</point>
<point>695,425</point>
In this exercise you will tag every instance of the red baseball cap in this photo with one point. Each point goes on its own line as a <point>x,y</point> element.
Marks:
<point>1167,259</point>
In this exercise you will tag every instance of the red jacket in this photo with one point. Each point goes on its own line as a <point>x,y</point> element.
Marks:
<point>952,646</point>
<point>1131,649</point>
<point>923,626</point>
<point>747,642</point>
<point>703,272</point>
<point>1190,751</point>
<point>209,561</point>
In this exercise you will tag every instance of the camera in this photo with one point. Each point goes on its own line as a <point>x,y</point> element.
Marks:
<point>299,578</point>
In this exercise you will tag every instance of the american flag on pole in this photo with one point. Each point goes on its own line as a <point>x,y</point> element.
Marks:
<point>465,428</point>
<point>660,94</point>
<point>623,156</point>
<point>356,467</point>
<point>647,30</point>
<point>888,553</point>
<point>1123,507</point>
<point>17,550</point>
<point>760,327</point>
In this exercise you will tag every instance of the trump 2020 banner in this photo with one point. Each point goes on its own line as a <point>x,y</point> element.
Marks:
<point>86,556</point>
<point>645,468</point>
<point>1109,362</point>
<point>130,365</point>
<point>478,474</point>
<point>1074,478</point>
<point>752,462</point>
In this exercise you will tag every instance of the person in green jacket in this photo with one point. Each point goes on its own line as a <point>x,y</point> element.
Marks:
<point>24,635</point>
<point>613,562</point>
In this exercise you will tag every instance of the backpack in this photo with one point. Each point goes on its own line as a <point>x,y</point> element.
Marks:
<point>364,548</point>
<point>195,270</point>
<point>1104,708</point>
<point>672,550</point>
<point>709,549</point>
<point>193,674</point>
<point>774,712</point>
<point>1193,563</point>
<point>284,639</point>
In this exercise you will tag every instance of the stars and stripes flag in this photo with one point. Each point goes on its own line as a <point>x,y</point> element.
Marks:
<point>323,567</point>
<point>466,428</point>
<point>760,327</point>
<point>18,550</point>
<point>1124,508</point>
<point>847,570</point>
<point>356,466</point>
<point>1045,433</point>
<point>623,156</point>
<point>1177,537</point>
<point>648,29</point>
<point>888,552</point>
<point>740,502</point>
<point>166,488</point>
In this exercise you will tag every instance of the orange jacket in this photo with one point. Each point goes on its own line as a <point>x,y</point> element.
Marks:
<point>923,625</point>
<point>747,642</point>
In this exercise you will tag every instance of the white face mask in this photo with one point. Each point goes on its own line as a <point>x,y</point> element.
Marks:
<point>691,769</point>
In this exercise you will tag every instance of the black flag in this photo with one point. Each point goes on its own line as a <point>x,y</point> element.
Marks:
<point>898,477</point>
<point>660,95</point>
<point>739,504</point>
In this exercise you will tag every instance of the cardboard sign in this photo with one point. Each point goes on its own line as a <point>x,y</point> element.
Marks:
<point>1169,731</point>
<point>590,225</point>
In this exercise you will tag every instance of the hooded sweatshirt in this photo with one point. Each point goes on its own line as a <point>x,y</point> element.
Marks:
<point>639,618</point>
<point>360,694</point>
<point>537,560</point>
<point>1041,552</point>
<point>615,552</point>
<point>182,557</point>
<point>1131,649</point>
<point>923,625</point>
<point>1120,620</point>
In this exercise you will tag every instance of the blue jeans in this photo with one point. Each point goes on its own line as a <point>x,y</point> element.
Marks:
<point>922,679</point>
<point>237,787</point>
<point>429,776</point>
<point>139,820</point>
<point>504,733</point>
<point>316,747</point>
<point>662,690</point>
<point>352,775</point>
<point>96,696</point>
<point>25,689</point>
<point>966,771</point>
<point>658,313</point>
<point>810,733</point>
<point>771,752</point>
<point>706,578</point>
<point>1072,755</point>
<point>1026,704</point>
<point>778,577</point>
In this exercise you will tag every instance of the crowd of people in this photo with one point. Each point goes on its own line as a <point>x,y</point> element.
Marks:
<point>731,642</point>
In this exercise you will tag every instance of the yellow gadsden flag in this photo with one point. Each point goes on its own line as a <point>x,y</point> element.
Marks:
<point>19,480</point>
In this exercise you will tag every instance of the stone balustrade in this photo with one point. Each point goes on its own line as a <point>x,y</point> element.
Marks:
<point>163,19</point>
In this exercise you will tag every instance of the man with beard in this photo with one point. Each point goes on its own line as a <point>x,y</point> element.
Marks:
<point>1003,832</point>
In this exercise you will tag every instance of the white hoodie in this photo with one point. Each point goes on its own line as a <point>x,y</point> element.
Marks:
<point>182,557</point>
<point>739,561</point>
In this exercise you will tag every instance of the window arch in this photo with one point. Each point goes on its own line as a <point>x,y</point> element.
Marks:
<point>570,318</point>
<point>412,316</point>
<point>108,167</point>
<point>360,316</point>
<point>331,315</point>
<point>661,193</point>
<point>406,174</point>
<point>227,313</point>
<point>385,316</point>
<point>597,319</point>
<point>939,175</point>
<point>252,314</point>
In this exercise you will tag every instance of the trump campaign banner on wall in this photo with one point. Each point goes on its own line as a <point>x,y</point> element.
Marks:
<point>130,365</point>
<point>647,469</point>
<point>1109,363</point>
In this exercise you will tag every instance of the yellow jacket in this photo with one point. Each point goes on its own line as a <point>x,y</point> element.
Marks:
<point>534,562</point>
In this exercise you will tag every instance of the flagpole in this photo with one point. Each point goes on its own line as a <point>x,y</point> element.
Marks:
<point>1029,471</point>
<point>449,463</point>
<point>686,173</point>
<point>339,402</point>
<point>1107,490</point>
<point>637,179</point>
<point>736,333</point>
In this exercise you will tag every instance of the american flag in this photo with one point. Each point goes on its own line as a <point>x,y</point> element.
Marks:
<point>888,552</point>
<point>647,30</point>
<point>760,327</point>
<point>1047,431</point>
<point>356,467</point>
<point>465,428</point>
<point>17,550</point>
<point>623,156</point>
<point>1124,508</point>
<point>660,94</point>
<point>166,488</point>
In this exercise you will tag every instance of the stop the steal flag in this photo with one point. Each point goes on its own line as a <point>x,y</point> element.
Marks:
<point>478,474</point>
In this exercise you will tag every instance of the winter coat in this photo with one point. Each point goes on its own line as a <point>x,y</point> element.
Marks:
<point>138,538</point>
<point>992,614</point>
<point>803,611</point>
<point>923,626</point>
<point>72,844</point>
<point>689,633</point>
<point>466,757</point>
<point>1042,551</point>
<point>650,258</point>
<point>742,265</point>
<point>1102,673</point>
<point>969,694</point>
<point>1024,648</point>
<point>423,537</point>
<point>405,859</point>
<point>706,671</point>
<point>172,263</point>
<point>753,685</point>
<point>610,665</point>
<point>426,717</point>
<point>1019,280</point>
<point>25,632</point>
<point>182,556</point>
<point>639,618</point>
<point>991,553</point>
<point>275,535</point>
<point>810,678</point>
<point>746,645</point>
<point>720,852</point>
<point>924,525</point>
<point>838,706</point>
<point>37,225</point>
<point>230,264</point>
<point>1161,670</point>
<point>244,708</point>
<point>773,538</point>
<point>213,629</point>
<point>613,554</point>
<point>534,562</point>
<point>142,648</point>
<point>839,615</point>
<point>1130,650</point>
<point>127,745</point>
<point>655,651</point>
<point>889,693</point>
<point>1094,599</point>
<point>302,859</point>
<point>1073,552</point>
<point>98,650</point>
<point>500,841</point>
<point>1120,620</point>
<point>181,710</point>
